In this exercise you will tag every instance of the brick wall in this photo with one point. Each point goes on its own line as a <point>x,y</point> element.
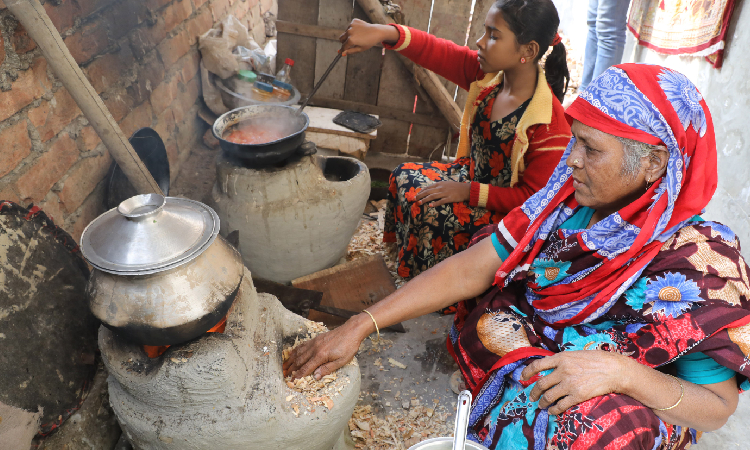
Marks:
<point>141,56</point>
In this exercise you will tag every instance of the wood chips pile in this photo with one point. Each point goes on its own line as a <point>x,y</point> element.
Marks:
<point>368,240</point>
<point>399,430</point>
<point>308,393</point>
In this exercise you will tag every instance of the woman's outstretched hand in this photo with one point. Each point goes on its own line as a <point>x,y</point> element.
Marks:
<point>326,352</point>
<point>444,192</point>
<point>576,376</point>
<point>361,36</point>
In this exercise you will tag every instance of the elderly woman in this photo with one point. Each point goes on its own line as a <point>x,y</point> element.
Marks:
<point>615,317</point>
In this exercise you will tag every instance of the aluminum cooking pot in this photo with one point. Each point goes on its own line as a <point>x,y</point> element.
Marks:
<point>162,275</point>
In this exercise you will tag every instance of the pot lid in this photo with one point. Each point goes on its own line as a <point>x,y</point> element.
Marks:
<point>149,233</point>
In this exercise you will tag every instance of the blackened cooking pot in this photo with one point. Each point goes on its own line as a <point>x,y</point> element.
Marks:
<point>259,155</point>
<point>161,274</point>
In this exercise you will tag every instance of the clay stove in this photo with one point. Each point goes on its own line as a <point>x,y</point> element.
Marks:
<point>226,390</point>
<point>294,218</point>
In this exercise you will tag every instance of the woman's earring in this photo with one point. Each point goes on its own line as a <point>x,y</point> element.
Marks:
<point>523,60</point>
<point>648,182</point>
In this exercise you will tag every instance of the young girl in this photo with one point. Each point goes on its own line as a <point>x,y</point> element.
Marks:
<point>512,134</point>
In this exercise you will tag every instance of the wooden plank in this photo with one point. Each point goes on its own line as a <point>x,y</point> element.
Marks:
<point>300,29</point>
<point>300,49</point>
<point>382,112</point>
<point>475,32</point>
<point>321,120</point>
<point>363,71</point>
<point>352,286</point>
<point>396,92</point>
<point>392,137</point>
<point>450,20</point>
<point>332,14</point>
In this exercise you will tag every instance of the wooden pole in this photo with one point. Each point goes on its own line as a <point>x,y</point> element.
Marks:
<point>39,26</point>
<point>427,79</point>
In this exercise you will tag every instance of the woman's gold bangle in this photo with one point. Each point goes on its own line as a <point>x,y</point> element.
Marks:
<point>682,393</point>
<point>378,329</point>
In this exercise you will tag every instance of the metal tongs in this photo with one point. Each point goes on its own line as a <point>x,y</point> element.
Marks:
<point>462,420</point>
<point>320,81</point>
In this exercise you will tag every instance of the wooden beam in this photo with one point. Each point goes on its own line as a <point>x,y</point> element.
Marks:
<point>388,113</point>
<point>315,31</point>
<point>428,80</point>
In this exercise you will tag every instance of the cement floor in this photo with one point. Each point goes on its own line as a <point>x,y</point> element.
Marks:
<point>422,348</point>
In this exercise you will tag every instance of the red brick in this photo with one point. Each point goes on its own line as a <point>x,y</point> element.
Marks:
<point>88,138</point>
<point>219,9</point>
<point>21,41</point>
<point>147,37</point>
<point>174,48</point>
<point>173,157</point>
<point>89,6</point>
<point>9,194</point>
<point>62,13</point>
<point>92,208</point>
<point>176,13</point>
<point>150,74</point>
<point>124,17</point>
<point>155,5</point>
<point>138,118</point>
<point>53,208</point>
<point>199,3</point>
<point>119,105</point>
<point>105,72</point>
<point>16,146</point>
<point>61,110</point>
<point>165,93</point>
<point>82,180</point>
<point>202,22</point>
<point>189,65</point>
<point>178,112</point>
<point>266,5</point>
<point>88,42</point>
<point>165,124</point>
<point>190,95</point>
<point>48,169</point>
<point>29,86</point>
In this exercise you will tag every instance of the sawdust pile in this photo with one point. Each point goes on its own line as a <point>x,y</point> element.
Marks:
<point>307,393</point>
<point>368,240</point>
<point>399,430</point>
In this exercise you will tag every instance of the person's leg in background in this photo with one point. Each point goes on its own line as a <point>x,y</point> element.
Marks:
<point>589,57</point>
<point>611,23</point>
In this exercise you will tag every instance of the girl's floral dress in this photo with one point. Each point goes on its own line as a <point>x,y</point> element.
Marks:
<point>424,235</point>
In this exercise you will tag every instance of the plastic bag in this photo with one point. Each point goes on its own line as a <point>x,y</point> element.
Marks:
<point>216,46</point>
<point>270,51</point>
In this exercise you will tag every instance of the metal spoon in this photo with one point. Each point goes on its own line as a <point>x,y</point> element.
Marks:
<point>320,81</point>
<point>462,420</point>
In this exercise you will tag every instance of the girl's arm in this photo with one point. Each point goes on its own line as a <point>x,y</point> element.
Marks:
<point>464,275</point>
<point>451,61</point>
<point>546,147</point>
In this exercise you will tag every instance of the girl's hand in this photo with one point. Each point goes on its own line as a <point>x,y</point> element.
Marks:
<point>326,352</point>
<point>444,192</point>
<point>577,376</point>
<point>361,36</point>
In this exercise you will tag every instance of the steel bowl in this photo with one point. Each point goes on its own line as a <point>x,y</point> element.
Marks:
<point>444,443</point>
<point>260,155</point>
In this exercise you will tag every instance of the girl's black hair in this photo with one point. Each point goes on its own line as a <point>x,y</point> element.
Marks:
<point>537,20</point>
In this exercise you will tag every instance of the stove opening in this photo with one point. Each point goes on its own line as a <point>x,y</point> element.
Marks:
<point>340,169</point>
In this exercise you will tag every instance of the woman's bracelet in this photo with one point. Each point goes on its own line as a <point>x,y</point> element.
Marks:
<point>378,329</point>
<point>682,393</point>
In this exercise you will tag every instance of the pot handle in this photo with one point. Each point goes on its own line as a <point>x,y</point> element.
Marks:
<point>307,148</point>
<point>141,207</point>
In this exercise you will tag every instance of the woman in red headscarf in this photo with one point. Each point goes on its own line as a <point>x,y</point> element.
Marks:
<point>616,317</point>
